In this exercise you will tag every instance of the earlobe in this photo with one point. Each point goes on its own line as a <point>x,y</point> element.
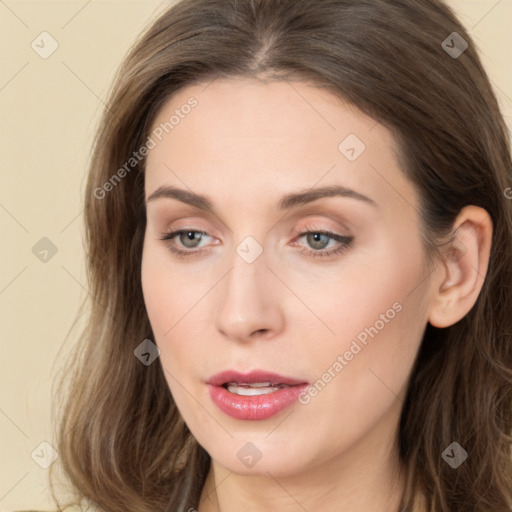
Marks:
<point>461,273</point>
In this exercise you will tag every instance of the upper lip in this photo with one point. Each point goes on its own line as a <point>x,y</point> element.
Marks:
<point>249,378</point>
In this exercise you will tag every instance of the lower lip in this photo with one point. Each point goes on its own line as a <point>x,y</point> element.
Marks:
<point>259,407</point>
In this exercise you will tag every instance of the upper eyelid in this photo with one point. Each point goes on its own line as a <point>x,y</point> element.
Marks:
<point>312,208</point>
<point>296,231</point>
<point>311,224</point>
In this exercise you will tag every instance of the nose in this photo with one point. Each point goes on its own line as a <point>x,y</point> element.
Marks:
<point>249,304</point>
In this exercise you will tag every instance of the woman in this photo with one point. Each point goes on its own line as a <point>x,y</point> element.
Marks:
<point>299,249</point>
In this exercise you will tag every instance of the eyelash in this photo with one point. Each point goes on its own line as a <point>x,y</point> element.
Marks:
<point>345,242</point>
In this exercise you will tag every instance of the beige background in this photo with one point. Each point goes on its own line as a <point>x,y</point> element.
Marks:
<point>49,109</point>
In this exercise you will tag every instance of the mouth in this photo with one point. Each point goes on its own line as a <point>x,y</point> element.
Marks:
<point>256,395</point>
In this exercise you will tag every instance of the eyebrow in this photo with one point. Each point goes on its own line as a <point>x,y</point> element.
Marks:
<point>287,202</point>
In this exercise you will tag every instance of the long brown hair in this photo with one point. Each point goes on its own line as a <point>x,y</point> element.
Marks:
<point>122,442</point>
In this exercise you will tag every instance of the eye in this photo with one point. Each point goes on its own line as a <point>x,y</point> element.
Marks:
<point>319,241</point>
<point>189,238</point>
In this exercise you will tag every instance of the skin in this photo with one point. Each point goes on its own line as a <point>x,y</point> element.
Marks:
<point>245,145</point>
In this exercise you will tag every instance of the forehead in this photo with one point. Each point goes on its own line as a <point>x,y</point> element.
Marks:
<point>278,135</point>
<point>237,107</point>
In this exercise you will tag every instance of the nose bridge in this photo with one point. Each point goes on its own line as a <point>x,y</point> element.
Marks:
<point>248,302</point>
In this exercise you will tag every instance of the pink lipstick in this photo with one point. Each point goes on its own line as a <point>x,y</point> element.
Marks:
<point>257,395</point>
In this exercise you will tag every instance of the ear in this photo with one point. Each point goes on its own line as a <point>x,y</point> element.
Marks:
<point>460,275</point>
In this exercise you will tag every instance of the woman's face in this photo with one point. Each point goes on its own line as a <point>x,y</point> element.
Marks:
<point>342,313</point>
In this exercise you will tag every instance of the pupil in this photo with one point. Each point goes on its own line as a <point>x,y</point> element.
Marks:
<point>190,237</point>
<point>316,240</point>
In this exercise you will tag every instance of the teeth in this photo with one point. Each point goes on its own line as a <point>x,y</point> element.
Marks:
<point>256,384</point>
<point>252,384</point>
<point>252,390</point>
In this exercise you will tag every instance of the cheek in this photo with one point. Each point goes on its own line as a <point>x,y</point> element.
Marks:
<point>379,320</point>
<point>160,297</point>
<point>376,310</point>
<point>376,294</point>
<point>168,295</point>
<point>173,303</point>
